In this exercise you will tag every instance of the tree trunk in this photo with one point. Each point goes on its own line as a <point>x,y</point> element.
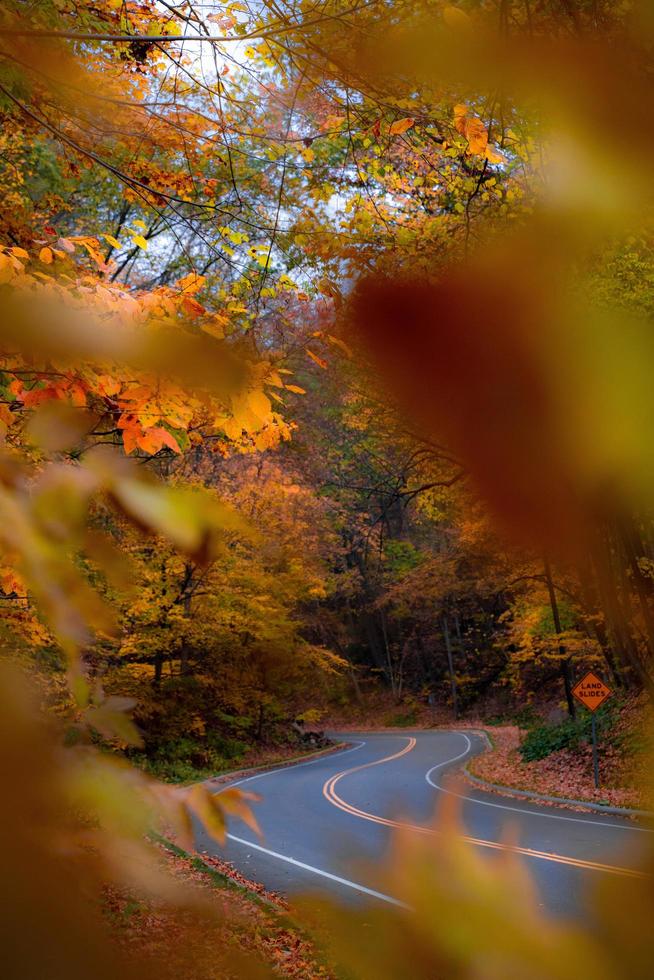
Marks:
<point>158,670</point>
<point>184,660</point>
<point>450,664</point>
<point>389,661</point>
<point>566,671</point>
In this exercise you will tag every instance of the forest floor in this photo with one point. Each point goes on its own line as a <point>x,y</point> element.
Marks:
<point>218,928</point>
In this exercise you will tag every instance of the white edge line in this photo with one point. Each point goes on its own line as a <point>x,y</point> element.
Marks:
<point>301,864</point>
<point>516,809</point>
<point>323,874</point>
<point>292,765</point>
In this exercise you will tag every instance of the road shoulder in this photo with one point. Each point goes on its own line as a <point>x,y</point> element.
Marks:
<point>536,796</point>
<point>217,782</point>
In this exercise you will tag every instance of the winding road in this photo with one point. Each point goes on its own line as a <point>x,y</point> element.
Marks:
<point>327,823</point>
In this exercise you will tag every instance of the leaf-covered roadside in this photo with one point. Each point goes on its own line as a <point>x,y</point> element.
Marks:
<point>221,925</point>
<point>568,772</point>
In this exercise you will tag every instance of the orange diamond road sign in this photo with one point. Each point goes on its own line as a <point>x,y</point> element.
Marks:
<point>591,691</point>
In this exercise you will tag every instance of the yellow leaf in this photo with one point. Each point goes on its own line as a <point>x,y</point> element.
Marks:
<point>296,389</point>
<point>140,241</point>
<point>45,255</point>
<point>232,428</point>
<point>6,269</point>
<point>20,253</point>
<point>216,326</point>
<point>401,126</point>
<point>259,404</point>
<point>112,241</point>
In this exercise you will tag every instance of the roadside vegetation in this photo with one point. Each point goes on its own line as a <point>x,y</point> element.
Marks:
<point>556,759</point>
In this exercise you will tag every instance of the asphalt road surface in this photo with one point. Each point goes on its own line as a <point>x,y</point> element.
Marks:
<point>327,823</point>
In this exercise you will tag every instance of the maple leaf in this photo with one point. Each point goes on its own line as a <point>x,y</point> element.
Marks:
<point>131,434</point>
<point>259,404</point>
<point>107,385</point>
<point>155,439</point>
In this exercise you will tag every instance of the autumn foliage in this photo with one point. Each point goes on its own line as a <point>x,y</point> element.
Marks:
<point>325,382</point>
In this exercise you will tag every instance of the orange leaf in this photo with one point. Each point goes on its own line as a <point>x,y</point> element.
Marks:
<point>472,128</point>
<point>314,357</point>
<point>77,395</point>
<point>168,439</point>
<point>131,433</point>
<point>401,126</point>
<point>191,283</point>
<point>192,307</point>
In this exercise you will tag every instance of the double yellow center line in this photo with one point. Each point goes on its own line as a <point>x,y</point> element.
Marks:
<point>329,792</point>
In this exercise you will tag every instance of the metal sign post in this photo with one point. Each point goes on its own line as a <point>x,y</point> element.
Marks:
<point>595,762</point>
<point>592,692</point>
